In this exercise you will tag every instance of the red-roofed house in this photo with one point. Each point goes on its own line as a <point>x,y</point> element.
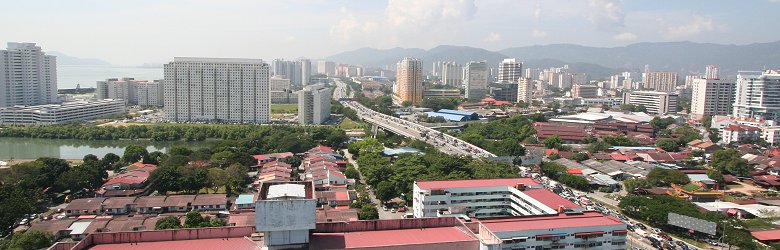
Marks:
<point>320,149</point>
<point>767,236</point>
<point>266,158</point>
<point>135,181</point>
<point>333,215</point>
<point>767,180</point>
<point>735,133</point>
<point>335,198</point>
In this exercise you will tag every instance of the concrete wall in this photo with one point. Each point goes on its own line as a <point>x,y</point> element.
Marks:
<point>163,235</point>
<point>281,215</point>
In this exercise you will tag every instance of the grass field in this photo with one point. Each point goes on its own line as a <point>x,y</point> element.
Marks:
<point>347,123</point>
<point>284,108</point>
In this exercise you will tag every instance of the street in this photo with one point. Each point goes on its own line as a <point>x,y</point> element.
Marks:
<point>383,215</point>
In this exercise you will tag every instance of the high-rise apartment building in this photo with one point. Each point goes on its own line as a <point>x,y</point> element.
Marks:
<point>524,90</point>
<point>217,90</point>
<point>530,73</point>
<point>656,102</point>
<point>509,70</point>
<point>408,86</point>
<point>131,91</point>
<point>507,91</point>
<point>711,97</point>
<point>584,91</point>
<point>711,72</point>
<point>452,74</point>
<point>305,71</point>
<point>476,80</point>
<point>661,81</point>
<point>326,67</point>
<point>314,104</point>
<point>27,76</point>
<point>757,95</point>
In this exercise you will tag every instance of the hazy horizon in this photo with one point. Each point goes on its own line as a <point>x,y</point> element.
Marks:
<point>138,32</point>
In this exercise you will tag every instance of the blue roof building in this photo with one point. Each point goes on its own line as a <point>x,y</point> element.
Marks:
<point>468,114</point>
<point>449,117</point>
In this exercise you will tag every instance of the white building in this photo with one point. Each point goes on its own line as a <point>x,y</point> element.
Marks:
<point>48,114</point>
<point>133,92</point>
<point>277,83</point>
<point>661,81</point>
<point>485,198</point>
<point>771,134</point>
<point>711,97</point>
<point>452,74</point>
<point>217,90</point>
<point>305,71</point>
<point>510,70</point>
<point>314,104</point>
<point>584,91</point>
<point>711,72</point>
<point>736,133</point>
<point>326,68</point>
<point>285,212</point>
<point>475,80</point>
<point>757,95</point>
<point>27,76</point>
<point>525,90</point>
<point>659,103</point>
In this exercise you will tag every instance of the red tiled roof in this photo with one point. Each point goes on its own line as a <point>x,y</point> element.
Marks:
<point>740,128</point>
<point>576,171</point>
<point>766,235</point>
<point>133,177</point>
<point>549,198</point>
<point>429,185</point>
<point>619,157</point>
<point>588,219</point>
<point>390,238</point>
<point>240,243</point>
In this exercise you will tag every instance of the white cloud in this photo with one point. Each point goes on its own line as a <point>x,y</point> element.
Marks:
<point>625,37</point>
<point>607,15</point>
<point>537,12</point>
<point>774,1</point>
<point>408,20</point>
<point>538,33</point>
<point>698,25</point>
<point>493,37</point>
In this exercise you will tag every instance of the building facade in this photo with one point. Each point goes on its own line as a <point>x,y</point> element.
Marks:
<point>661,81</point>
<point>584,91</point>
<point>327,68</point>
<point>314,104</point>
<point>442,93</point>
<point>711,97</point>
<point>133,92</point>
<point>656,102</point>
<point>217,90</point>
<point>525,90</point>
<point>757,95</point>
<point>49,114</point>
<point>510,70</point>
<point>408,86</point>
<point>476,80</point>
<point>506,91</point>
<point>711,72</point>
<point>452,74</point>
<point>27,76</point>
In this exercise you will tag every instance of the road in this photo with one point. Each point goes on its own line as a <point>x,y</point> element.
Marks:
<point>383,215</point>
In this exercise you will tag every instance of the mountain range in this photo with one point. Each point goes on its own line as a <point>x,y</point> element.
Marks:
<point>63,59</point>
<point>683,57</point>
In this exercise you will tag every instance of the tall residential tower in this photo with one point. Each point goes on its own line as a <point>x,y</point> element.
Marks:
<point>510,70</point>
<point>408,86</point>
<point>27,75</point>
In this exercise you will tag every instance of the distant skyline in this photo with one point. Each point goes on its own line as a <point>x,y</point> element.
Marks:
<point>146,31</point>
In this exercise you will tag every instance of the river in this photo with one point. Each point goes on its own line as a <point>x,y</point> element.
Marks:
<point>72,149</point>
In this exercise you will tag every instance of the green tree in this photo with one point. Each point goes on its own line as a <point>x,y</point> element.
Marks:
<point>109,160</point>
<point>166,178</point>
<point>632,184</point>
<point>385,191</point>
<point>598,146</point>
<point>579,157</point>
<point>169,222</point>
<point>553,142</point>
<point>716,176</point>
<point>368,213</point>
<point>730,160</point>
<point>194,219</point>
<point>668,145</point>
<point>238,178</point>
<point>706,121</point>
<point>351,172</point>
<point>134,153</point>
<point>620,141</point>
<point>659,123</point>
<point>31,240</point>
<point>16,201</point>
<point>217,178</point>
<point>553,156</point>
<point>666,177</point>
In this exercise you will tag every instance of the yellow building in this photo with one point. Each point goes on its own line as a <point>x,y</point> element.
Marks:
<point>408,85</point>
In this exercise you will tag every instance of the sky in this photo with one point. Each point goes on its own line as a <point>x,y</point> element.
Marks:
<point>133,32</point>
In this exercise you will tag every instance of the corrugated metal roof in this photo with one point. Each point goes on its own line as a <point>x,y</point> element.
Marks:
<point>79,227</point>
<point>449,117</point>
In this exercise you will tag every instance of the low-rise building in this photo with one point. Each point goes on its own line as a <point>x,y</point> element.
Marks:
<point>209,202</point>
<point>736,133</point>
<point>60,113</point>
<point>656,102</point>
<point>442,93</point>
<point>90,206</point>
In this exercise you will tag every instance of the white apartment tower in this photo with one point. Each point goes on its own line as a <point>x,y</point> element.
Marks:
<point>326,67</point>
<point>525,90</point>
<point>509,70</point>
<point>133,92</point>
<point>711,72</point>
<point>476,80</point>
<point>150,93</point>
<point>452,74</point>
<point>314,104</point>
<point>656,102</point>
<point>661,81</point>
<point>27,76</point>
<point>305,71</point>
<point>757,95</point>
<point>711,97</point>
<point>217,90</point>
